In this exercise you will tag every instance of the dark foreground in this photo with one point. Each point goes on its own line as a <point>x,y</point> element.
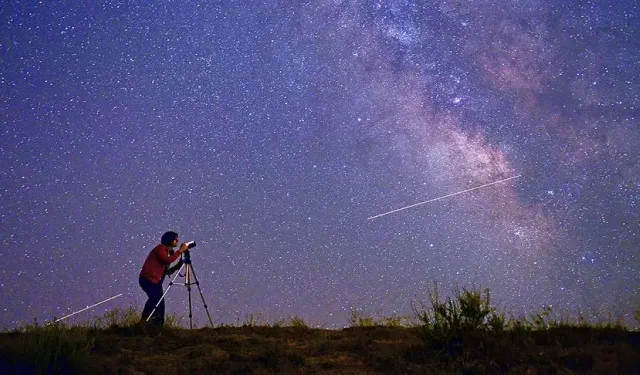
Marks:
<point>356,350</point>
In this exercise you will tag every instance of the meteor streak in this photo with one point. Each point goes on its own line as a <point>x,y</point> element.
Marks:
<point>86,308</point>
<point>442,197</point>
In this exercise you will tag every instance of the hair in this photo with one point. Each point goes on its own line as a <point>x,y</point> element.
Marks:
<point>168,238</point>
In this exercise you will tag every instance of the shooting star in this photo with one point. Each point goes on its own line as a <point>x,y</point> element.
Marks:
<point>442,197</point>
<point>86,308</point>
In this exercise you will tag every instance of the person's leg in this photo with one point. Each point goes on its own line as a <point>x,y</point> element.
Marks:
<point>153,295</point>
<point>156,296</point>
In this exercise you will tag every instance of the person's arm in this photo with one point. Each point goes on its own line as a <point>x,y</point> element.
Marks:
<point>166,259</point>
<point>173,269</point>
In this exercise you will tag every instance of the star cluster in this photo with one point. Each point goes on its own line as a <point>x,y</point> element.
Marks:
<point>270,131</point>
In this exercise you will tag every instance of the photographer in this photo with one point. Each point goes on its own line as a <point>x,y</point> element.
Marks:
<point>155,267</point>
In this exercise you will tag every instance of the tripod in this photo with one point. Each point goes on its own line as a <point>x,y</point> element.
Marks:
<point>187,282</point>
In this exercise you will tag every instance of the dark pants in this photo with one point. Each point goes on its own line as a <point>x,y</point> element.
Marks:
<point>154,292</point>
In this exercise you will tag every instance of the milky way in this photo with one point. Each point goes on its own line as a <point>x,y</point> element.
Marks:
<point>269,132</point>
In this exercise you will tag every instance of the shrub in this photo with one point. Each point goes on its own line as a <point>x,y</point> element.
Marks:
<point>128,317</point>
<point>254,320</point>
<point>469,310</point>
<point>357,319</point>
<point>298,322</point>
<point>467,316</point>
<point>174,321</point>
<point>542,320</point>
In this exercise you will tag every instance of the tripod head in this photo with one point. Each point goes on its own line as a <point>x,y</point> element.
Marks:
<point>186,257</point>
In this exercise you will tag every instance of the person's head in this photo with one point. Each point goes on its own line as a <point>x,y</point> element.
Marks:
<point>170,239</point>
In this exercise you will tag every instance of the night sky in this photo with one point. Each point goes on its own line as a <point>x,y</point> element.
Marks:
<point>269,131</point>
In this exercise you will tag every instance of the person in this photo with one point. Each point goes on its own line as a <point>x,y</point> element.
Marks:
<point>154,269</point>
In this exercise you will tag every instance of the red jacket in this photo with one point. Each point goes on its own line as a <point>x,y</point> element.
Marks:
<point>157,260</point>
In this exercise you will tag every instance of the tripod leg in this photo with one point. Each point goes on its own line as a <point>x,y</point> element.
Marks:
<point>164,294</point>
<point>188,284</point>
<point>201,296</point>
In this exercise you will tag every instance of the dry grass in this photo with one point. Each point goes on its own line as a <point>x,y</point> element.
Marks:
<point>463,334</point>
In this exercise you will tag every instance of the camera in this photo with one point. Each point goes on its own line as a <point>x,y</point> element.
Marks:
<point>190,244</point>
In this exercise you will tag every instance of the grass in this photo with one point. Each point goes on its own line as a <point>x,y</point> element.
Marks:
<point>463,333</point>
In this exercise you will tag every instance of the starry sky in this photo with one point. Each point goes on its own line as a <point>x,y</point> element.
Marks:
<point>269,131</point>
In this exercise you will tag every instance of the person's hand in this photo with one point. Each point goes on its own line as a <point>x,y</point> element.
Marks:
<point>184,247</point>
